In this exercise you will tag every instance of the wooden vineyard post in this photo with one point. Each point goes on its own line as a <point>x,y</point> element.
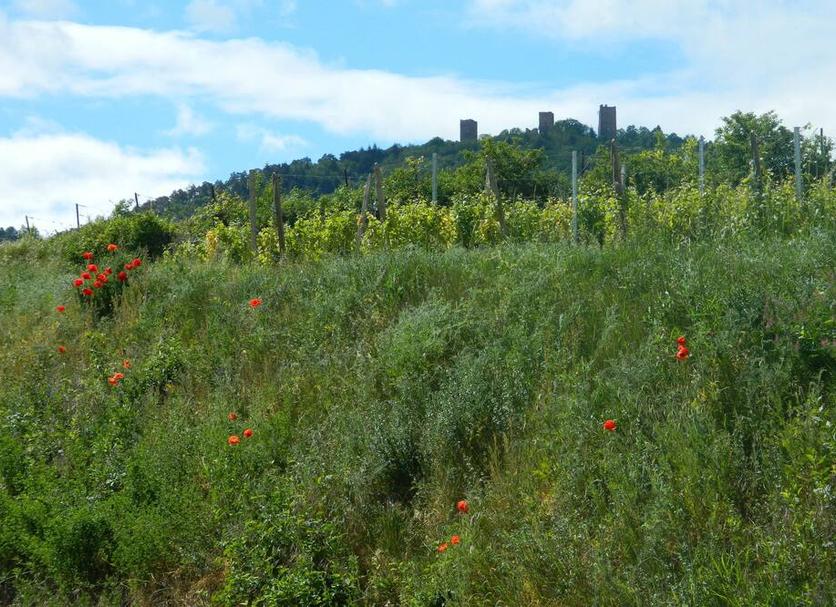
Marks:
<point>363,219</point>
<point>618,187</point>
<point>702,165</point>
<point>278,215</point>
<point>253,208</point>
<point>575,197</point>
<point>435,178</point>
<point>490,183</point>
<point>799,186</point>
<point>381,201</point>
<point>756,165</point>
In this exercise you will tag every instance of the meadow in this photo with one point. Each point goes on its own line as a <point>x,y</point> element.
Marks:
<point>424,389</point>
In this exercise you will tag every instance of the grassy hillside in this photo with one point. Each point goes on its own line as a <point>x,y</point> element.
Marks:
<point>383,390</point>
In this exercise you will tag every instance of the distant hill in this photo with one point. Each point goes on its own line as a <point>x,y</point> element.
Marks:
<point>329,172</point>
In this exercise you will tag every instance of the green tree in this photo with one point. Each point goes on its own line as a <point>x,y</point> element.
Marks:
<point>731,159</point>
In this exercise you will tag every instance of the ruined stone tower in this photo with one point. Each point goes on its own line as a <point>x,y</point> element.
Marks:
<point>606,122</point>
<point>546,122</point>
<point>468,130</point>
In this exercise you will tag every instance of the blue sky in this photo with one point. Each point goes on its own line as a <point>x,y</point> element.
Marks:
<point>100,99</point>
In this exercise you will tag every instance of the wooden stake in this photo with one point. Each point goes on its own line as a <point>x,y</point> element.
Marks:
<point>619,189</point>
<point>490,182</point>
<point>756,164</point>
<point>381,201</point>
<point>77,219</point>
<point>278,215</point>
<point>253,209</point>
<point>702,165</point>
<point>363,220</point>
<point>435,178</point>
<point>797,144</point>
<point>575,197</point>
<point>136,201</point>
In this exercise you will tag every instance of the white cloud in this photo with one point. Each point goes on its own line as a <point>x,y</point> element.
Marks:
<point>782,62</point>
<point>268,141</point>
<point>44,175</point>
<point>46,9</point>
<point>189,123</point>
<point>210,16</point>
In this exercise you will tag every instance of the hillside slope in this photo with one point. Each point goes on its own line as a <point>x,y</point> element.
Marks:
<point>383,390</point>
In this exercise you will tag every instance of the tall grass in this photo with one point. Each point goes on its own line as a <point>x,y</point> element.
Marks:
<point>383,389</point>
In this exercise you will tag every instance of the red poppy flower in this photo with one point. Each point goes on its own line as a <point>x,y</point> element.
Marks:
<point>102,277</point>
<point>233,440</point>
<point>108,271</point>
<point>61,349</point>
<point>60,308</point>
<point>118,375</point>
<point>682,353</point>
<point>86,275</point>
<point>462,506</point>
<point>111,248</point>
<point>98,284</point>
<point>88,292</point>
<point>442,547</point>
<point>248,433</point>
<point>91,267</point>
<point>137,262</point>
<point>232,416</point>
<point>129,266</point>
<point>610,425</point>
<point>455,540</point>
<point>255,302</point>
<point>680,340</point>
<point>78,282</point>
<point>88,255</point>
<point>122,276</point>
<point>126,364</point>
<point>112,381</point>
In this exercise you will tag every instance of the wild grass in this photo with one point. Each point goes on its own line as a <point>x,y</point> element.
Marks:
<point>383,389</point>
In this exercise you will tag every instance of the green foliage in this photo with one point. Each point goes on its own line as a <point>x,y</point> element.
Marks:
<point>384,387</point>
<point>284,558</point>
<point>139,233</point>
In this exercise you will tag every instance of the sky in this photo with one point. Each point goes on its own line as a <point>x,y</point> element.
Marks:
<point>103,98</point>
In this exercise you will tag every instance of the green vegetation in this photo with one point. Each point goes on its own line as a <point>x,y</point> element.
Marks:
<point>382,389</point>
<point>439,360</point>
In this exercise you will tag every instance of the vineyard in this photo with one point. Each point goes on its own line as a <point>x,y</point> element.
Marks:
<point>447,408</point>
